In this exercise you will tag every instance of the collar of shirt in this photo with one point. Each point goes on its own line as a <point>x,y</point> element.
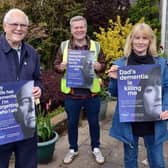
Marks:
<point>18,50</point>
<point>85,47</point>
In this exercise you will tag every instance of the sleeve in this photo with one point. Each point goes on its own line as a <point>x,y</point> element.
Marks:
<point>101,60</point>
<point>37,73</point>
<point>58,61</point>
<point>112,87</point>
<point>165,87</point>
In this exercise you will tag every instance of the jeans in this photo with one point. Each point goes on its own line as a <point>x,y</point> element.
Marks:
<point>73,108</point>
<point>25,153</point>
<point>154,153</point>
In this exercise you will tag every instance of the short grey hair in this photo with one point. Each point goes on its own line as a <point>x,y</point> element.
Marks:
<point>77,18</point>
<point>7,16</point>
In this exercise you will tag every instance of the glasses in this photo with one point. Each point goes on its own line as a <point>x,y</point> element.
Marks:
<point>15,25</point>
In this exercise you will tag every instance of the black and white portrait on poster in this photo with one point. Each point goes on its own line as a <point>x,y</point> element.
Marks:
<point>80,70</point>
<point>17,111</point>
<point>140,93</point>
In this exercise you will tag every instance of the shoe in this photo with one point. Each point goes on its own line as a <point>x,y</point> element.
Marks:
<point>70,156</point>
<point>98,155</point>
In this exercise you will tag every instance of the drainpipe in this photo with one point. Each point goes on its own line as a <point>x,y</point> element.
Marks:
<point>164,26</point>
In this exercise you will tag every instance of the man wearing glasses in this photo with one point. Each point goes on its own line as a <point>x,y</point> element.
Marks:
<point>19,61</point>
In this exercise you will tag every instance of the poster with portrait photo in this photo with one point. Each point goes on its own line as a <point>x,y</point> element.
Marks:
<point>80,70</point>
<point>17,111</point>
<point>139,93</point>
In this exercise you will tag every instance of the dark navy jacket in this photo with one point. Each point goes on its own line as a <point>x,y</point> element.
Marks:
<point>11,70</point>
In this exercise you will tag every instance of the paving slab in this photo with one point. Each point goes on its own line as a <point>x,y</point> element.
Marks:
<point>111,148</point>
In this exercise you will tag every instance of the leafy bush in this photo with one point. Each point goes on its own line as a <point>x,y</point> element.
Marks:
<point>98,12</point>
<point>113,38</point>
<point>55,15</point>
<point>52,16</point>
<point>150,11</point>
<point>52,97</point>
<point>147,9</point>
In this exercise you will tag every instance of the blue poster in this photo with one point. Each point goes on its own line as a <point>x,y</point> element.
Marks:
<point>80,70</point>
<point>17,111</point>
<point>139,93</point>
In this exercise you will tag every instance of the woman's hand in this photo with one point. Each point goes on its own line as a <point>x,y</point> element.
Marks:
<point>164,115</point>
<point>112,72</point>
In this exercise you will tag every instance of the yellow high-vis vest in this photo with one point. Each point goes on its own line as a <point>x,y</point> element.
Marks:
<point>94,46</point>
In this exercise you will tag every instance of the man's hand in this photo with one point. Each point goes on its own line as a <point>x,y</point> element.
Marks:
<point>63,66</point>
<point>36,92</point>
<point>97,66</point>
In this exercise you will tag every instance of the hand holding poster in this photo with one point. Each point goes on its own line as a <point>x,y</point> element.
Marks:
<point>80,70</point>
<point>17,111</point>
<point>139,88</point>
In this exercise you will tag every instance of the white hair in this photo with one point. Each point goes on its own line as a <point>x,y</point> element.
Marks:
<point>7,16</point>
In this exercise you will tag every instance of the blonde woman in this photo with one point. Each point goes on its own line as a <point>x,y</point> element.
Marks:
<point>140,49</point>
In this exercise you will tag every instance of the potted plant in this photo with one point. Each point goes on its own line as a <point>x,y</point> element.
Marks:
<point>47,138</point>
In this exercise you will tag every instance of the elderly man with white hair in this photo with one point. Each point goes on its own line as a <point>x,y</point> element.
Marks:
<point>19,61</point>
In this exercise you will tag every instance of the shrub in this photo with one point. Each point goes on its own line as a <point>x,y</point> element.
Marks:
<point>149,10</point>
<point>52,96</point>
<point>112,40</point>
<point>98,12</point>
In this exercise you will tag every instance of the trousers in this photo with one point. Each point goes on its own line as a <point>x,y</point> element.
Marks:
<point>73,108</point>
<point>154,153</point>
<point>25,152</point>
